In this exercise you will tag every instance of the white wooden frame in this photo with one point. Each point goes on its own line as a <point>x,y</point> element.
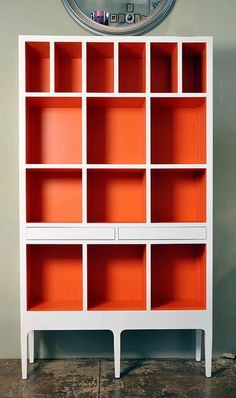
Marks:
<point>84,233</point>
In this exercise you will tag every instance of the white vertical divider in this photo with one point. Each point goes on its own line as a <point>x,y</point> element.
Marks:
<point>84,132</point>
<point>85,272</point>
<point>52,66</point>
<point>180,68</point>
<point>148,135</point>
<point>116,67</point>
<point>148,67</point>
<point>148,276</point>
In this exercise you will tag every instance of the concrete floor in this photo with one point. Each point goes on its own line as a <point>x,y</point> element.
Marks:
<point>80,378</point>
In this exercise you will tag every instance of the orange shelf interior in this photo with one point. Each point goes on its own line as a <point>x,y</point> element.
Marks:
<point>37,66</point>
<point>68,67</point>
<point>116,196</point>
<point>100,67</point>
<point>178,195</point>
<point>116,277</point>
<point>178,130</point>
<point>54,277</point>
<point>116,130</point>
<point>54,195</point>
<point>194,67</point>
<point>132,69</point>
<point>164,62</point>
<point>53,130</point>
<point>178,277</point>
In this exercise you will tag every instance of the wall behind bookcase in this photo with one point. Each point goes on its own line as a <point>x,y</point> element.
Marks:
<point>189,17</point>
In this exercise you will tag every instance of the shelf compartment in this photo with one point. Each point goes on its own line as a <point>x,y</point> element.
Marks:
<point>178,130</point>
<point>54,277</point>
<point>53,130</point>
<point>178,195</point>
<point>116,195</point>
<point>68,67</point>
<point>132,67</point>
<point>178,277</point>
<point>116,130</point>
<point>100,67</point>
<point>164,71</point>
<point>116,277</point>
<point>194,67</point>
<point>37,66</point>
<point>54,195</point>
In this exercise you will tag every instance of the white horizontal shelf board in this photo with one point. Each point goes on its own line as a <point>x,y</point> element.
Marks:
<point>115,241</point>
<point>116,166</point>
<point>69,225</point>
<point>178,95</point>
<point>115,95</point>
<point>82,233</point>
<point>162,233</point>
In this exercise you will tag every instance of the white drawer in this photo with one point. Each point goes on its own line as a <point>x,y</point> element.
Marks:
<point>81,233</point>
<point>151,233</point>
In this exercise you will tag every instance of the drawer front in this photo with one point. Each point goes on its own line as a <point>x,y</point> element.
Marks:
<point>152,233</point>
<point>81,233</point>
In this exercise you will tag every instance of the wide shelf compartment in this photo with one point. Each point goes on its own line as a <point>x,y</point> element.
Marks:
<point>53,195</point>
<point>116,130</point>
<point>54,277</point>
<point>178,277</point>
<point>116,277</point>
<point>53,130</point>
<point>164,72</point>
<point>194,67</point>
<point>68,67</point>
<point>132,67</point>
<point>37,66</point>
<point>116,195</point>
<point>178,130</point>
<point>178,195</point>
<point>100,67</point>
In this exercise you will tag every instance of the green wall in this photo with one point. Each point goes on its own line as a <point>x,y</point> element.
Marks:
<point>189,17</point>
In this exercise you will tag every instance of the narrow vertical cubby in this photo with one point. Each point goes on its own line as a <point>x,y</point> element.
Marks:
<point>178,130</point>
<point>194,67</point>
<point>178,277</point>
<point>37,66</point>
<point>68,67</point>
<point>116,195</point>
<point>132,67</point>
<point>54,277</point>
<point>116,277</point>
<point>53,130</point>
<point>178,195</point>
<point>100,67</point>
<point>164,68</point>
<point>53,195</point>
<point>116,130</point>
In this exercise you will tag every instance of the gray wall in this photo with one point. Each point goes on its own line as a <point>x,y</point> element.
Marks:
<point>189,17</point>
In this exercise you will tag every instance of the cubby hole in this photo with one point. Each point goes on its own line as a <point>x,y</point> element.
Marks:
<point>178,195</point>
<point>68,67</point>
<point>37,66</point>
<point>54,277</point>
<point>194,67</point>
<point>164,75</point>
<point>116,277</point>
<point>53,130</point>
<point>116,196</point>
<point>54,195</point>
<point>132,68</point>
<point>178,130</point>
<point>100,67</point>
<point>116,130</point>
<point>178,277</point>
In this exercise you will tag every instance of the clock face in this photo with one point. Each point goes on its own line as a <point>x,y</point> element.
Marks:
<point>118,16</point>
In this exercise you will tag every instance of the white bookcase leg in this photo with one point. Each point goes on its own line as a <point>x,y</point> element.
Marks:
<point>31,346</point>
<point>208,352</point>
<point>198,351</point>
<point>117,354</point>
<point>24,354</point>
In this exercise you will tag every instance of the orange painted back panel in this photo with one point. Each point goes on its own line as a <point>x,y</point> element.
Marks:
<point>100,67</point>
<point>132,75</point>
<point>116,277</point>
<point>116,196</point>
<point>164,67</point>
<point>37,67</point>
<point>194,67</point>
<point>68,67</point>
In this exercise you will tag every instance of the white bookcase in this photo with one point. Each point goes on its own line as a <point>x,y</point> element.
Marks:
<point>115,186</point>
